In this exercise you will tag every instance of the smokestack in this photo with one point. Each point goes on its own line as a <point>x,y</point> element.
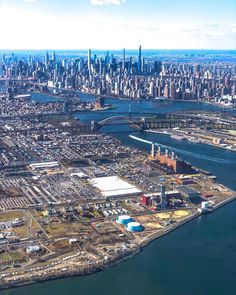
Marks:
<point>163,197</point>
<point>159,149</point>
<point>173,155</point>
<point>167,153</point>
<point>163,190</point>
<point>153,150</point>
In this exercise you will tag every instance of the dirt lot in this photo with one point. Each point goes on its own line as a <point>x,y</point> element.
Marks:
<point>12,215</point>
<point>21,231</point>
<point>14,256</point>
<point>68,229</point>
<point>149,222</point>
<point>60,245</point>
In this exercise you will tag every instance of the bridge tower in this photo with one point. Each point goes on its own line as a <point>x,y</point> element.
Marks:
<point>94,126</point>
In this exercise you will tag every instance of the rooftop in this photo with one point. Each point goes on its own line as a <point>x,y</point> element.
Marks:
<point>113,186</point>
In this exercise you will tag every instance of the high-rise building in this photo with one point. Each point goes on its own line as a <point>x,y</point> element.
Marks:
<point>107,58</point>
<point>139,59</point>
<point>89,59</point>
<point>54,56</point>
<point>46,58</point>
<point>123,65</point>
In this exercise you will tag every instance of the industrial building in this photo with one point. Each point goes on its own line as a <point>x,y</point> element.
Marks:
<point>188,193</point>
<point>147,198</point>
<point>44,165</point>
<point>114,187</point>
<point>177,165</point>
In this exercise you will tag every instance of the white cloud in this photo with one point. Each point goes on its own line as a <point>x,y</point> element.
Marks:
<point>106,2</point>
<point>233,27</point>
<point>91,30</point>
<point>30,1</point>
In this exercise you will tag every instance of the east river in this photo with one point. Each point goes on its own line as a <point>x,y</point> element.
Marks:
<point>197,259</point>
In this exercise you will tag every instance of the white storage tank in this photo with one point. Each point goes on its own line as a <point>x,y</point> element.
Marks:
<point>134,227</point>
<point>33,249</point>
<point>123,219</point>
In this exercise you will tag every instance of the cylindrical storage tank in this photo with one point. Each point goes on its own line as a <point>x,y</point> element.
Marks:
<point>134,226</point>
<point>33,249</point>
<point>124,219</point>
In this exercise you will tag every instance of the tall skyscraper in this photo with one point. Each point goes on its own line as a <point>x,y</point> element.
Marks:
<point>46,58</point>
<point>139,59</point>
<point>123,65</point>
<point>89,59</point>
<point>54,56</point>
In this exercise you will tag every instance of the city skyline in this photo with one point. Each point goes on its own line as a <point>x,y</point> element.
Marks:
<point>114,24</point>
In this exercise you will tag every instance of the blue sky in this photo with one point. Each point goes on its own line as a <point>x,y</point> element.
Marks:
<point>114,24</point>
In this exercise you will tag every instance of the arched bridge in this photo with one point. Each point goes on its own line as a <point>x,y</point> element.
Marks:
<point>136,123</point>
<point>162,122</point>
<point>118,120</point>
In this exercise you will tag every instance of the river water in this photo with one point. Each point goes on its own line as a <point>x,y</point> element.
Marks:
<point>197,259</point>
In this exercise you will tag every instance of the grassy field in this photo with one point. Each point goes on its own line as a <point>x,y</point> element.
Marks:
<point>15,256</point>
<point>5,258</point>
<point>59,245</point>
<point>71,229</point>
<point>21,231</point>
<point>11,215</point>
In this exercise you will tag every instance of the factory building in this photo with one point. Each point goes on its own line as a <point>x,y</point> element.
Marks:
<point>114,187</point>
<point>44,165</point>
<point>147,199</point>
<point>187,193</point>
<point>171,161</point>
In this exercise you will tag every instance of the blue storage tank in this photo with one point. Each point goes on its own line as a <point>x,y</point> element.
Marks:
<point>134,227</point>
<point>123,219</point>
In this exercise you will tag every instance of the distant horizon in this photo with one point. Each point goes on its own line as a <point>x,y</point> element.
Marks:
<point>117,49</point>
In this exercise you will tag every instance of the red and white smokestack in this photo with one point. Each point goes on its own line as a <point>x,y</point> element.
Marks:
<point>167,153</point>
<point>153,150</point>
<point>173,155</point>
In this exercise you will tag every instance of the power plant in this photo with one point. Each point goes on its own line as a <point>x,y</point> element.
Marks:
<point>167,162</point>
<point>170,160</point>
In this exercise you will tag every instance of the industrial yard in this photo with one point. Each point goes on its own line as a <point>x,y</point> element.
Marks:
<point>221,138</point>
<point>73,202</point>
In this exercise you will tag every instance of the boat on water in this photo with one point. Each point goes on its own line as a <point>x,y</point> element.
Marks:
<point>160,98</point>
<point>178,137</point>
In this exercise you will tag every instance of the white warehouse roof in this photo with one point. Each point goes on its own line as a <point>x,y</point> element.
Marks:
<point>113,186</point>
<point>44,165</point>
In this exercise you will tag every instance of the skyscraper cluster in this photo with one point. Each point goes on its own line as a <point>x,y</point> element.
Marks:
<point>125,76</point>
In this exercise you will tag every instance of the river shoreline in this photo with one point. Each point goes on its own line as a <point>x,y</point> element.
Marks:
<point>186,139</point>
<point>127,98</point>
